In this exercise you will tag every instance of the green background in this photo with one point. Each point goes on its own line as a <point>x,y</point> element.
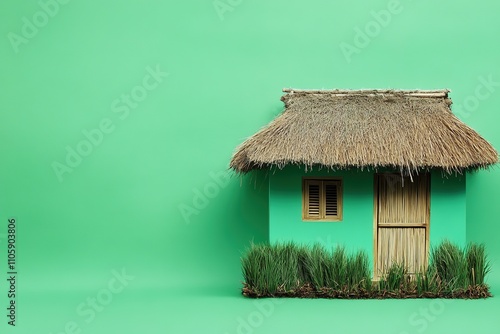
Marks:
<point>119,208</point>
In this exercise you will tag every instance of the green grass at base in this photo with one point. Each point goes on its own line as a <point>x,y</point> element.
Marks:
<point>288,269</point>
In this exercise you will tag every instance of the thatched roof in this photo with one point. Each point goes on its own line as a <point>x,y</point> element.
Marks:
<point>407,130</point>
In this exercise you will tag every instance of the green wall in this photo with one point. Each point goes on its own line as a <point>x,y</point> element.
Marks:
<point>355,231</point>
<point>139,199</point>
<point>448,208</point>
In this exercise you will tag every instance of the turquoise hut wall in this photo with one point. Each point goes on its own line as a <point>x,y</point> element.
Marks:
<point>355,231</point>
<point>448,208</point>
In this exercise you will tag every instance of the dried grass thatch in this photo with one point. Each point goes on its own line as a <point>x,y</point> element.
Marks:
<point>407,130</point>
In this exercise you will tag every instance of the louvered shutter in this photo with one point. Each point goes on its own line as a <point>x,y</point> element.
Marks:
<point>322,200</point>
<point>331,199</point>
<point>313,207</point>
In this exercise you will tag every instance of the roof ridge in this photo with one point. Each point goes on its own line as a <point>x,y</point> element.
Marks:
<point>371,92</point>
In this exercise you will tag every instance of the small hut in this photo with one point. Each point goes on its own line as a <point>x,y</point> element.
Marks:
<point>381,170</point>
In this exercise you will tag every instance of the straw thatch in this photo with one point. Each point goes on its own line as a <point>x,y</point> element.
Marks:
<point>407,130</point>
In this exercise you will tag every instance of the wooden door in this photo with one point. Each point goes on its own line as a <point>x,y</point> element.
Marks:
<point>401,222</point>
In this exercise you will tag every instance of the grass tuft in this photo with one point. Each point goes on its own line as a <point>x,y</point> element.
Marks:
<point>478,266</point>
<point>395,279</point>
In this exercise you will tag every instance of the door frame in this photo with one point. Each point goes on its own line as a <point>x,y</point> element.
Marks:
<point>376,177</point>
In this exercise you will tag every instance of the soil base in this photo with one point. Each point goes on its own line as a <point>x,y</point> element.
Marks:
<point>306,291</point>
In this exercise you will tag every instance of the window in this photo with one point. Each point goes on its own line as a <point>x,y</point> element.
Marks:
<point>322,199</point>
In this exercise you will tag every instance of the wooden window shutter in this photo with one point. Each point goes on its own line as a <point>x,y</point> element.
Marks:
<point>331,189</point>
<point>313,204</point>
<point>322,200</point>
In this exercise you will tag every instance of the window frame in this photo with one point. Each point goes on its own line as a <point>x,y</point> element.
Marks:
<point>323,181</point>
